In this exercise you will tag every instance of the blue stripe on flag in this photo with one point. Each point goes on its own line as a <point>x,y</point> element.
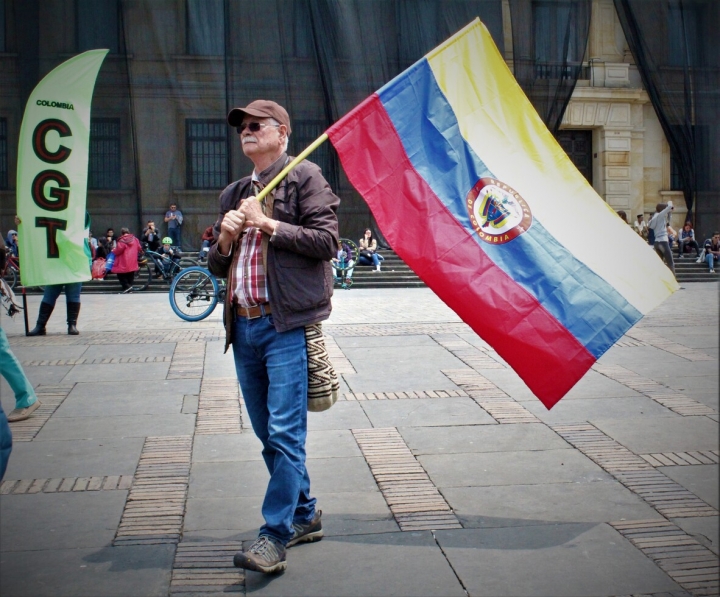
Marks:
<point>590,308</point>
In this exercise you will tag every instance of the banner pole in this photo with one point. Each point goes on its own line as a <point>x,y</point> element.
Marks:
<point>27,327</point>
<point>306,152</point>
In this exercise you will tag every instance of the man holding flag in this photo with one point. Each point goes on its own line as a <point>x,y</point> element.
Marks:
<point>276,257</point>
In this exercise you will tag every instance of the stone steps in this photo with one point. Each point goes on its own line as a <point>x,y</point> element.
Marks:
<point>687,270</point>
<point>396,274</point>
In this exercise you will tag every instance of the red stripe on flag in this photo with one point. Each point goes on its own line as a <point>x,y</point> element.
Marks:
<point>443,253</point>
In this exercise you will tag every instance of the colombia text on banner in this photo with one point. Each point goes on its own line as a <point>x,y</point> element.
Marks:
<point>52,174</point>
<point>474,193</point>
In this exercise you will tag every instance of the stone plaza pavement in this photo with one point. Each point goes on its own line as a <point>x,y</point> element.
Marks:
<point>437,471</point>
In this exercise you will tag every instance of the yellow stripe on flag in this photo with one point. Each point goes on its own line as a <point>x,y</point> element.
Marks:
<point>505,131</point>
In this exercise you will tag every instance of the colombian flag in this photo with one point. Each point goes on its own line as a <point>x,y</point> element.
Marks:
<point>477,197</point>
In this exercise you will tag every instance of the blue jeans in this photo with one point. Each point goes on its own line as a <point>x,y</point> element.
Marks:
<point>5,442</point>
<point>710,259</point>
<point>204,248</point>
<point>12,371</point>
<point>376,259</point>
<point>72,293</point>
<point>665,252</point>
<point>272,370</point>
<point>174,234</point>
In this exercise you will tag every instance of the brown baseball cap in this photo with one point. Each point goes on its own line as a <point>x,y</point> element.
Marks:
<point>261,109</point>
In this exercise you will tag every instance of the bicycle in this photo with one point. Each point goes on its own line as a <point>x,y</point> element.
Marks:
<point>165,268</point>
<point>345,263</point>
<point>11,271</point>
<point>8,300</point>
<point>195,292</point>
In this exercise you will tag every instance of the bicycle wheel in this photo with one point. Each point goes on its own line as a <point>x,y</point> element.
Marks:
<point>10,276</point>
<point>194,294</point>
<point>142,278</point>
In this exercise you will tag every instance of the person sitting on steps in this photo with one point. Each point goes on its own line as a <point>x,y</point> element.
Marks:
<point>169,254</point>
<point>712,251</point>
<point>687,239</point>
<point>368,248</point>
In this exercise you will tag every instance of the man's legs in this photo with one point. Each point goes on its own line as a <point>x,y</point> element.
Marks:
<point>663,249</point>
<point>174,234</point>
<point>272,370</point>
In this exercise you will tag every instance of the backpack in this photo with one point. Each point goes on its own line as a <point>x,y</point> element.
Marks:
<point>98,269</point>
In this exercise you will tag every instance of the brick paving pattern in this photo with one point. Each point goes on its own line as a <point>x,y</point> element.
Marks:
<point>155,505</point>
<point>51,396</point>
<point>649,338</point>
<point>59,485</point>
<point>219,408</point>
<point>489,397</point>
<point>470,355</point>
<point>687,562</point>
<point>414,501</point>
<point>188,361</point>
<point>637,474</point>
<point>675,401</point>
<point>207,569</point>
<point>682,458</point>
<point>409,395</point>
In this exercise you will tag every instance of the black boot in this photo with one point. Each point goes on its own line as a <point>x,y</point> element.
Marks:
<point>46,310</point>
<point>73,310</point>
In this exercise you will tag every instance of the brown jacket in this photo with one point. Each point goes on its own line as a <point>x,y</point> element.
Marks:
<point>300,281</point>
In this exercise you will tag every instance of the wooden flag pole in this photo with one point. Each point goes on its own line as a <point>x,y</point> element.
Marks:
<point>305,153</point>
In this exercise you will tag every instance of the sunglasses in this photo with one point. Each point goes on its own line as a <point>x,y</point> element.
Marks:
<point>254,127</point>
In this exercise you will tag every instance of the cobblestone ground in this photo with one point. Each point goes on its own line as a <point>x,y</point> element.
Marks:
<point>437,471</point>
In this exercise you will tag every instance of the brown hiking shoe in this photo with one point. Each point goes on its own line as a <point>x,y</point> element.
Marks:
<point>308,532</point>
<point>265,555</point>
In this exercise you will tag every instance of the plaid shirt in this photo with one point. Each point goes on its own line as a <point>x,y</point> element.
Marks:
<point>250,280</point>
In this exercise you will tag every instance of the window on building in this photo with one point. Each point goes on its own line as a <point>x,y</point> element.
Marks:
<point>205,27</point>
<point>675,178</point>
<point>304,132</point>
<point>578,146</point>
<point>3,154</point>
<point>556,39</point>
<point>104,166</point>
<point>207,157</point>
<point>97,25</point>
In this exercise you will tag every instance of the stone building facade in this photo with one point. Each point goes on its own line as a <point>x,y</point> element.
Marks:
<point>161,98</point>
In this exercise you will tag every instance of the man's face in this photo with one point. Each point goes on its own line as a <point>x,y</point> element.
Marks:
<point>269,140</point>
<point>173,207</point>
<point>716,238</point>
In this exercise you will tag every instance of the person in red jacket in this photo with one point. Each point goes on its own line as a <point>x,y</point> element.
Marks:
<point>126,259</point>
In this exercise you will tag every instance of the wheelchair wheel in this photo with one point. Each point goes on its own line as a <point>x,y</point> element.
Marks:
<point>142,278</point>
<point>194,294</point>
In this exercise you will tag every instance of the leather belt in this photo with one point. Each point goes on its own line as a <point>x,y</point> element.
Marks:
<point>253,312</point>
